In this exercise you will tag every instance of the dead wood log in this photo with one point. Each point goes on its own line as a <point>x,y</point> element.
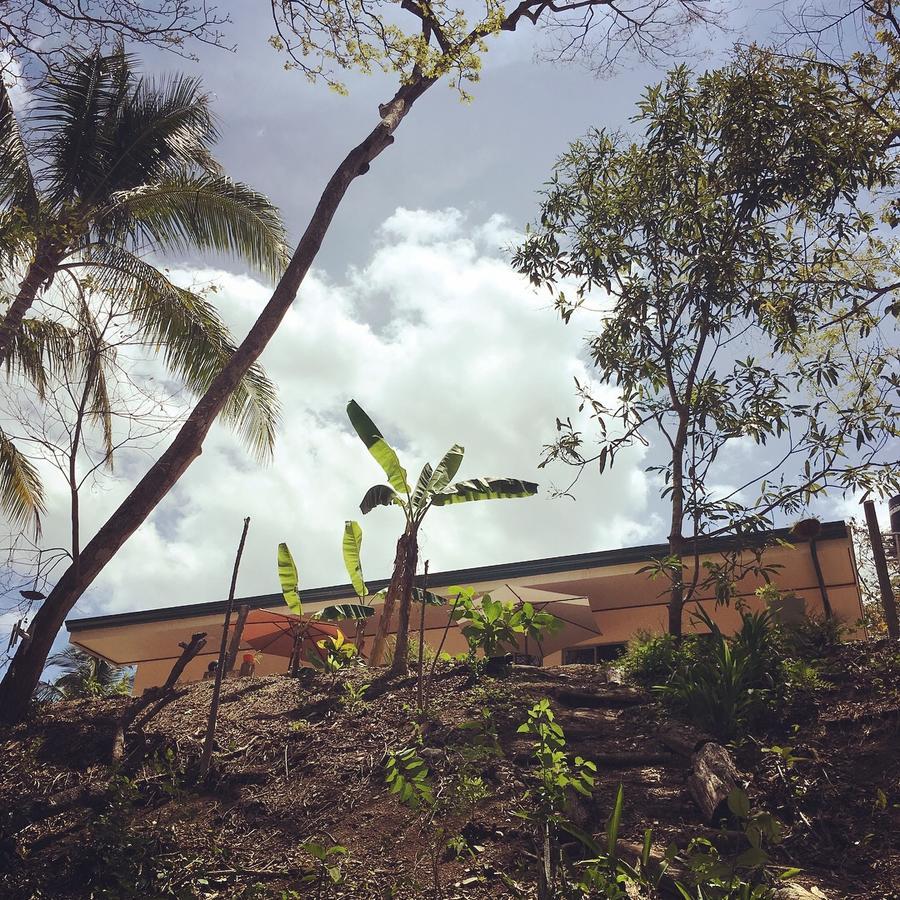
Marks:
<point>158,695</point>
<point>611,698</point>
<point>89,795</point>
<point>713,777</point>
<point>682,739</point>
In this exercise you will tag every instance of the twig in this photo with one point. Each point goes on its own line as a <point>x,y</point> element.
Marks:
<point>206,757</point>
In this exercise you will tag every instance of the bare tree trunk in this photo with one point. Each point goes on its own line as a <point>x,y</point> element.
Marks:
<point>400,588</point>
<point>231,658</point>
<point>22,676</point>
<point>889,604</point>
<point>676,534</point>
<point>206,756</point>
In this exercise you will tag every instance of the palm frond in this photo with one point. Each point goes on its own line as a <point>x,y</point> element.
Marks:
<point>74,114</point>
<point>163,129</point>
<point>95,356</point>
<point>205,212</point>
<point>21,491</point>
<point>41,348</point>
<point>16,181</point>
<point>195,342</point>
<point>85,675</point>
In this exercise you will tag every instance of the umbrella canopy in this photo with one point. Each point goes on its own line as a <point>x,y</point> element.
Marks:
<point>274,633</point>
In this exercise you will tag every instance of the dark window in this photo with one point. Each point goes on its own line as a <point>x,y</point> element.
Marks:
<point>581,656</point>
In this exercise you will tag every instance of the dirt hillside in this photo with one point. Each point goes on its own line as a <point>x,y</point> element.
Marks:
<point>303,760</point>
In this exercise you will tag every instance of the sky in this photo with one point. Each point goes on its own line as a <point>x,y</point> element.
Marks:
<point>412,309</point>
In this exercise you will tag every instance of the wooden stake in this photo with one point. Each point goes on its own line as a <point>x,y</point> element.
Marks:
<point>420,686</point>
<point>206,757</point>
<point>230,659</point>
<point>888,601</point>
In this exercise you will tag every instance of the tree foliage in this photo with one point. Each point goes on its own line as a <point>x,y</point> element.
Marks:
<point>743,291</point>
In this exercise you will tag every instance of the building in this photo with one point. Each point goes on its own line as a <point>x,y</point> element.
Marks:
<point>613,598</point>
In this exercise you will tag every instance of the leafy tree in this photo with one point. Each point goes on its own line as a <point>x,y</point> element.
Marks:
<point>113,167</point>
<point>39,31</point>
<point>434,487</point>
<point>83,676</point>
<point>746,283</point>
<point>421,44</point>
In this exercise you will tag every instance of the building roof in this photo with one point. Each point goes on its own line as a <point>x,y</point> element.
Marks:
<point>595,560</point>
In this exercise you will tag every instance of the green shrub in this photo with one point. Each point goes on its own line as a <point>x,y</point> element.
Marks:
<point>650,659</point>
<point>813,637</point>
<point>731,683</point>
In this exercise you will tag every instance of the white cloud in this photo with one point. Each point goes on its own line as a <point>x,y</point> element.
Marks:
<point>467,353</point>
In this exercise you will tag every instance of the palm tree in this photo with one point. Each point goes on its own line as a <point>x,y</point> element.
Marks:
<point>113,167</point>
<point>83,676</point>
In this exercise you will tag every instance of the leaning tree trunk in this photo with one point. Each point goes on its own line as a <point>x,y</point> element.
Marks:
<point>22,676</point>
<point>400,588</point>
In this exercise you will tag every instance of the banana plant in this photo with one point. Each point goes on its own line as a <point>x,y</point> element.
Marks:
<point>290,581</point>
<point>434,487</point>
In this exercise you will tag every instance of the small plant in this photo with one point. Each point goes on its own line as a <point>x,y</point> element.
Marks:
<point>354,698</point>
<point>407,777</point>
<point>733,682</point>
<point>651,659</point>
<point>557,776</point>
<point>744,876</point>
<point>335,653</point>
<point>327,872</point>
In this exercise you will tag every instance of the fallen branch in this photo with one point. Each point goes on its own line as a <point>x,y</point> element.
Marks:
<point>158,695</point>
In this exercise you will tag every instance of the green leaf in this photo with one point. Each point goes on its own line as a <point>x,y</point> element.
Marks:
<point>384,454</point>
<point>378,495</point>
<point>615,820</point>
<point>739,804</point>
<point>420,494</point>
<point>290,581</point>
<point>446,469</point>
<point>352,547</point>
<point>345,611</point>
<point>484,488</point>
<point>752,857</point>
<point>430,598</point>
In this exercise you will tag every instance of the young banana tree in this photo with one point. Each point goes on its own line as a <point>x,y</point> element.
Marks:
<point>290,583</point>
<point>434,487</point>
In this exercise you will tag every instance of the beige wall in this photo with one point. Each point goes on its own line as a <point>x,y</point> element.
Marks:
<point>623,601</point>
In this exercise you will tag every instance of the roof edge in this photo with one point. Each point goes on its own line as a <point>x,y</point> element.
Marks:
<point>549,565</point>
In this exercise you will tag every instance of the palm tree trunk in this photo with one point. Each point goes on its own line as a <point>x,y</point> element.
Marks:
<point>40,270</point>
<point>22,676</point>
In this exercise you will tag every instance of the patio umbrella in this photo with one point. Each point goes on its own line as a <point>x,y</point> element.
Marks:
<point>277,634</point>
